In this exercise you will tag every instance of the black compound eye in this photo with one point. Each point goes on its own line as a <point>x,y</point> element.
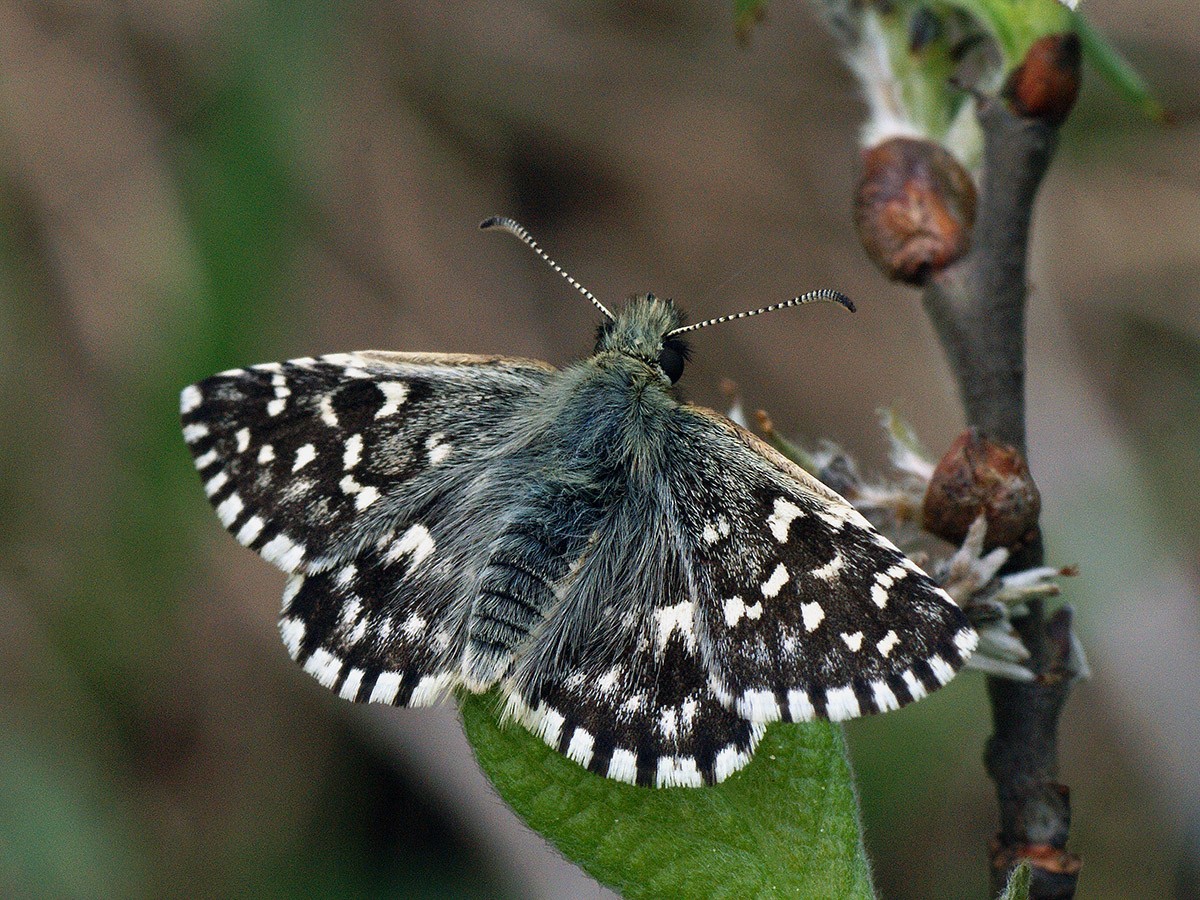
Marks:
<point>671,358</point>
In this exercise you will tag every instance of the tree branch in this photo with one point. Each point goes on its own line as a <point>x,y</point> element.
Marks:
<point>977,306</point>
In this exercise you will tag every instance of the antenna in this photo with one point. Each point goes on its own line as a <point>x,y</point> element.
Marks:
<point>824,294</point>
<point>506,224</point>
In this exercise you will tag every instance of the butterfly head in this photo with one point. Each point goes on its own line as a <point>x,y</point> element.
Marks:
<point>642,330</point>
<point>648,328</point>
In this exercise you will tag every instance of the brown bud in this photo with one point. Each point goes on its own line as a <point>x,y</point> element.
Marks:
<point>914,208</point>
<point>979,476</point>
<point>1046,84</point>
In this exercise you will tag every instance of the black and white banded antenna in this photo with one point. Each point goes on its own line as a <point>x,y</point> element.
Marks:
<point>823,295</point>
<point>518,231</point>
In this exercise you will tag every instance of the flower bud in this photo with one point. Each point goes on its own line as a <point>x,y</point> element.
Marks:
<point>977,477</point>
<point>914,208</point>
<point>1046,84</point>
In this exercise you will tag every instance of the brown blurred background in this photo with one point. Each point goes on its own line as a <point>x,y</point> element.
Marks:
<point>190,186</point>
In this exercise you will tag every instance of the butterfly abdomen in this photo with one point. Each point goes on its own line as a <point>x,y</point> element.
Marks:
<point>516,591</point>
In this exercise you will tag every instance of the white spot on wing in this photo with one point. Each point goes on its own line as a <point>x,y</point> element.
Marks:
<point>966,641</point>
<point>215,483</point>
<point>634,704</point>
<point>394,395</point>
<point>879,594</point>
<point>416,542</point>
<point>328,415</point>
<point>890,640</point>
<point>914,685</point>
<point>775,583</point>
<point>781,519</point>
<point>885,699</point>
<point>266,454</point>
<point>853,641</point>
<point>292,632</point>
<point>194,432</point>
<point>229,509</point>
<point>668,723</point>
<point>549,725</point>
<point>430,689</point>
<point>323,666</point>
<point>581,747</point>
<point>728,761</point>
<point>189,398</point>
<point>350,613</point>
<point>829,571</point>
<point>623,766</point>
<point>800,707</point>
<point>438,450</point>
<point>364,495</point>
<point>677,771</point>
<point>243,439</point>
<point>735,608</point>
<point>668,619</point>
<point>249,531</point>
<point>204,460</point>
<point>841,703</point>
<point>609,679</point>
<point>688,712</point>
<point>387,686</point>
<point>276,406</point>
<point>758,706</point>
<point>283,552</point>
<point>714,531</point>
<point>304,455</point>
<point>414,625</point>
<point>351,685</point>
<point>290,590</point>
<point>942,670</point>
<point>813,615</point>
<point>353,451</point>
<point>838,514</point>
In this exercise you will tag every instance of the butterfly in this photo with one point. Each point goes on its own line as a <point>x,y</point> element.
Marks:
<point>647,583</point>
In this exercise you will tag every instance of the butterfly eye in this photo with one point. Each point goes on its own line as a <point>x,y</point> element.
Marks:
<point>671,359</point>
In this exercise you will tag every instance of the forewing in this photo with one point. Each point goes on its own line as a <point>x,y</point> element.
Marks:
<point>803,609</point>
<point>361,474</point>
<point>298,456</point>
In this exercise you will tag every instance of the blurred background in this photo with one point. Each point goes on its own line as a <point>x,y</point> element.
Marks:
<point>191,186</point>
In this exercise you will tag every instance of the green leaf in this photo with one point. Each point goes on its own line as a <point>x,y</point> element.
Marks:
<point>787,825</point>
<point>1018,883</point>
<point>1125,80</point>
